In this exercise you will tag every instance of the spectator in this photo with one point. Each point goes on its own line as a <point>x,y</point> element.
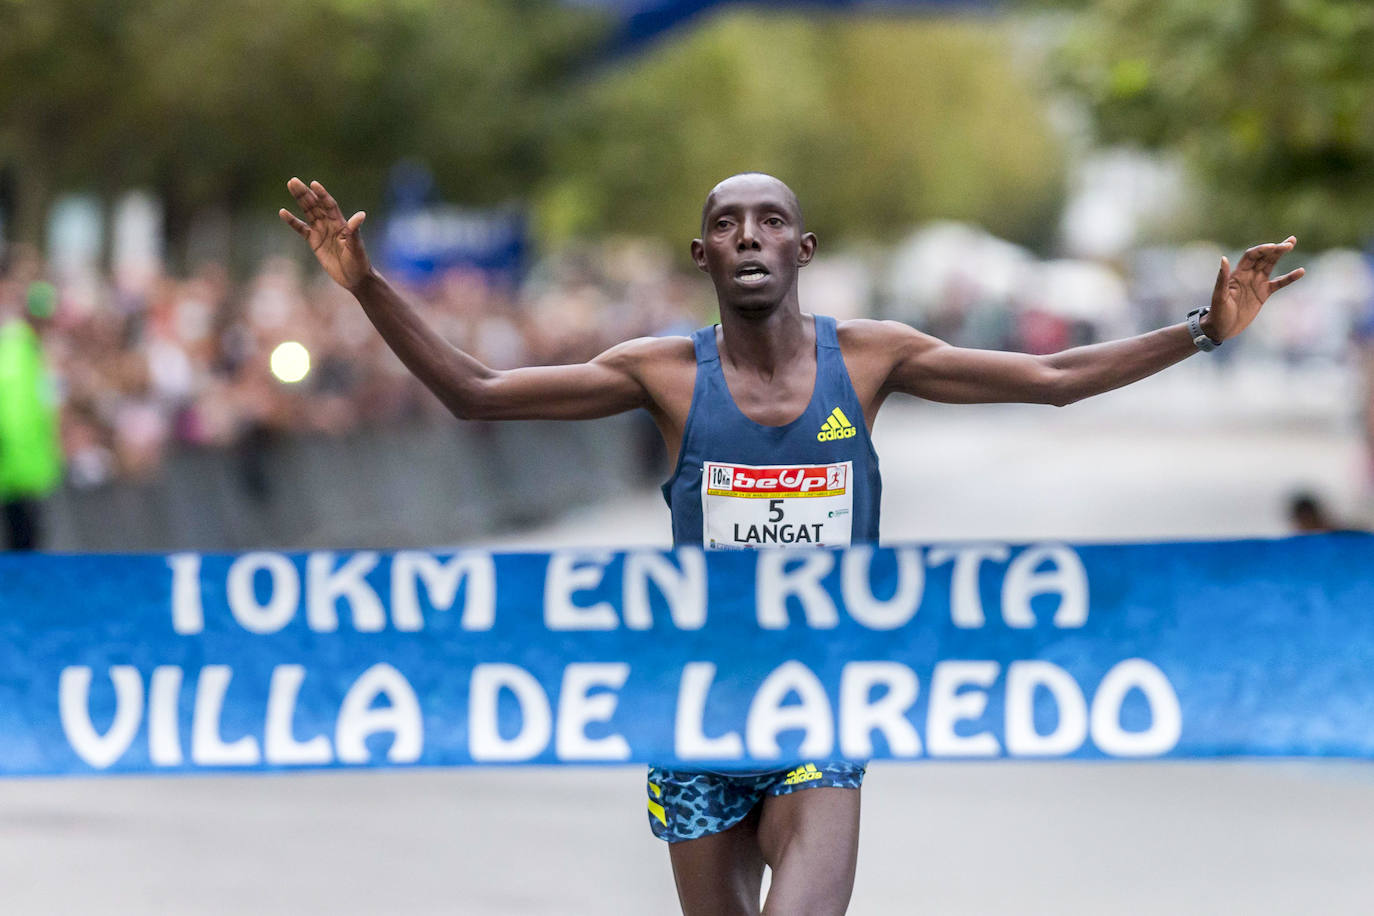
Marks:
<point>30,452</point>
<point>1307,514</point>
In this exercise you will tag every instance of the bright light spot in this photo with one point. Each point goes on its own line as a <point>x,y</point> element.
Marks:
<point>290,361</point>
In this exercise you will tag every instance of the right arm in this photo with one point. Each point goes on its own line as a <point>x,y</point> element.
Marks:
<point>608,384</point>
<point>472,391</point>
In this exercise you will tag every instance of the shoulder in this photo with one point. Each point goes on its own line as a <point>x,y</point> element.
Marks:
<point>646,353</point>
<point>872,338</point>
<point>876,353</point>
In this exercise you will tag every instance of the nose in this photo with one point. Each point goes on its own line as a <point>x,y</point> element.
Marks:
<point>748,235</point>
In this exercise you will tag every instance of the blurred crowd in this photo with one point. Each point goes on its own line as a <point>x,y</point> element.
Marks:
<point>144,362</point>
<point>142,365</point>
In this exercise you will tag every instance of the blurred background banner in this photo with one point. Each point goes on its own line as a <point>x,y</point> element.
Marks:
<point>259,661</point>
<point>420,244</point>
<point>641,20</point>
<point>424,238</point>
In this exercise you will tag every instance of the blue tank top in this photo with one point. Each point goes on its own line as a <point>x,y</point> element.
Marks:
<point>742,485</point>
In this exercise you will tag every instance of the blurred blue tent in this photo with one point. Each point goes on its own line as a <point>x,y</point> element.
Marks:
<point>642,20</point>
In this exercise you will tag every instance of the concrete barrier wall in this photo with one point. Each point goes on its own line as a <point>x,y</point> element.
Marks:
<point>420,484</point>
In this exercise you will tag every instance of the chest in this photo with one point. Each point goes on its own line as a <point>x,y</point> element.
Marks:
<point>773,399</point>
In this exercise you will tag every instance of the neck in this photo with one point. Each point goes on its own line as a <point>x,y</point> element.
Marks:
<point>764,341</point>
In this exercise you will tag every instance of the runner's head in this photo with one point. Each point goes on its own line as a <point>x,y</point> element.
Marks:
<point>752,242</point>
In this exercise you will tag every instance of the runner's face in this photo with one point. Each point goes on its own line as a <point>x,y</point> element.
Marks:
<point>752,242</point>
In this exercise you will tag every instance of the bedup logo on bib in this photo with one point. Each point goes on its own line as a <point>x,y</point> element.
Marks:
<point>748,506</point>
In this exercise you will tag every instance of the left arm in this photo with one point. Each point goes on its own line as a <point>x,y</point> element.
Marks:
<point>931,369</point>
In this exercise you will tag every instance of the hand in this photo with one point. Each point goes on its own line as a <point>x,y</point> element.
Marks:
<point>335,241</point>
<point>1238,295</point>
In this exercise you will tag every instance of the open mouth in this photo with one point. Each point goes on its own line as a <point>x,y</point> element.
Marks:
<point>752,274</point>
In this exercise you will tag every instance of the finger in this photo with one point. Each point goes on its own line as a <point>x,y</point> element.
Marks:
<point>1223,275</point>
<point>1282,248</point>
<point>350,229</point>
<point>1290,277</point>
<point>1279,249</point>
<point>1268,259</point>
<point>1266,256</point>
<point>289,218</point>
<point>310,202</point>
<point>304,196</point>
<point>326,200</point>
<point>1251,259</point>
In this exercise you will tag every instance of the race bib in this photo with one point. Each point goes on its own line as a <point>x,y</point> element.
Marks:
<point>747,506</point>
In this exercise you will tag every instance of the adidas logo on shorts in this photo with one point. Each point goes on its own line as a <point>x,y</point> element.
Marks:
<point>837,426</point>
<point>803,773</point>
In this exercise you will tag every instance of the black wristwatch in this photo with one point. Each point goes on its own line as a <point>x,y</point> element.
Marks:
<point>1200,338</point>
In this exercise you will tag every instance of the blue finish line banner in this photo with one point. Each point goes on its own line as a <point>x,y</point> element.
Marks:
<point>194,662</point>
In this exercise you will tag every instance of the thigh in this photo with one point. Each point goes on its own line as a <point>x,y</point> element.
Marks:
<point>810,838</point>
<point>721,873</point>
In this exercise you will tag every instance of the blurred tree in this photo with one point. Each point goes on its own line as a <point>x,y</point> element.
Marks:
<point>1271,101</point>
<point>61,63</point>
<point>217,104</point>
<point>878,122</point>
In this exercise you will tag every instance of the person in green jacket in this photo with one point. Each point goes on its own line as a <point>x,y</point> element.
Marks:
<point>30,450</point>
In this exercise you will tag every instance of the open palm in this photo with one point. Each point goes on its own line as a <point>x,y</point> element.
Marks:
<point>1240,293</point>
<point>334,240</point>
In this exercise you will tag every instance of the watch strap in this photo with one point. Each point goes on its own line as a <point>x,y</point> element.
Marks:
<point>1200,338</point>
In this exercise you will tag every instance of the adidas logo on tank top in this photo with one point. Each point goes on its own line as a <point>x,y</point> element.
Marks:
<point>836,426</point>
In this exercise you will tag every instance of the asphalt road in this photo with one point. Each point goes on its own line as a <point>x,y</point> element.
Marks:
<point>936,838</point>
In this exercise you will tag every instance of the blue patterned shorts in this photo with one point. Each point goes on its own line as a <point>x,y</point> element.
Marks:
<point>687,805</point>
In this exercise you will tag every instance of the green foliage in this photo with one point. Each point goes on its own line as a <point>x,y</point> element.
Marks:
<point>876,122</point>
<point>1271,101</point>
<point>219,103</point>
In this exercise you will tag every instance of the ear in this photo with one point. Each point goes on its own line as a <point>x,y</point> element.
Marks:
<point>807,250</point>
<point>699,255</point>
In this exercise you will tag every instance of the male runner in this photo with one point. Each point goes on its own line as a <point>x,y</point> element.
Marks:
<point>775,388</point>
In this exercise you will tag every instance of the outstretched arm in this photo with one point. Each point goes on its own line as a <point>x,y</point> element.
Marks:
<point>471,390</point>
<point>929,368</point>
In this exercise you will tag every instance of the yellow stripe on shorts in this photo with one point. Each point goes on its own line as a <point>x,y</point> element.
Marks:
<point>657,811</point>
<point>655,808</point>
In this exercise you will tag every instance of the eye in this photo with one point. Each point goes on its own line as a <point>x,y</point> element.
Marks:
<point>774,221</point>
<point>722,223</point>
